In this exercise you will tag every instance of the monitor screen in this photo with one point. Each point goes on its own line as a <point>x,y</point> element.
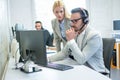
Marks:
<point>32,45</point>
<point>116,25</point>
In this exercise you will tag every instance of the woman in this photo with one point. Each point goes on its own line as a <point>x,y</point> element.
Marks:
<point>60,24</point>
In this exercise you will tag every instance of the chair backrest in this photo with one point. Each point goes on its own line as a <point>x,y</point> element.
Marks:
<point>108,46</point>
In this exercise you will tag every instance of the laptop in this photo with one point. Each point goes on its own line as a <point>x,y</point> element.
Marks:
<point>52,65</point>
<point>60,67</point>
<point>42,61</point>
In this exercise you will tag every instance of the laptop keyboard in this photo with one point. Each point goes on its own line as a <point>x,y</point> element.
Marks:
<point>61,67</point>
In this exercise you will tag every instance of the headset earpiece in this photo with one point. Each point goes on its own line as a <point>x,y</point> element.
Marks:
<point>84,16</point>
<point>85,20</point>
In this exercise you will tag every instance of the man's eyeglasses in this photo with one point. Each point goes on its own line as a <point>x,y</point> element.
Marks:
<point>75,20</point>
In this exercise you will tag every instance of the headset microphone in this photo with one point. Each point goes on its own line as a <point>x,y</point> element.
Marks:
<point>82,27</point>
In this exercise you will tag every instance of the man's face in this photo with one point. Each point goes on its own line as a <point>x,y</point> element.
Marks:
<point>76,21</point>
<point>38,26</point>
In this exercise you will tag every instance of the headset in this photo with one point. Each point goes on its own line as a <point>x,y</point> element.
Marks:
<point>84,14</point>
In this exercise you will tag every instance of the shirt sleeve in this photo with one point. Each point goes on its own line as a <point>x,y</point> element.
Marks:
<point>89,49</point>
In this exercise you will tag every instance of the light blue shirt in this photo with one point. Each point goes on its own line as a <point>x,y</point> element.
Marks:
<point>62,29</point>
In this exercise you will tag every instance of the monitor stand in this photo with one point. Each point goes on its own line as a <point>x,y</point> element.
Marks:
<point>29,66</point>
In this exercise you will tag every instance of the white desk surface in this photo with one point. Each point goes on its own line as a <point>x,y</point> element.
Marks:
<point>79,72</point>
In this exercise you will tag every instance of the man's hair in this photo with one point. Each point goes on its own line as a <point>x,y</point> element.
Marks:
<point>83,12</point>
<point>38,22</point>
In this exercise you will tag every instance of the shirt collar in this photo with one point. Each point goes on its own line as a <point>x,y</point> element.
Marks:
<point>62,21</point>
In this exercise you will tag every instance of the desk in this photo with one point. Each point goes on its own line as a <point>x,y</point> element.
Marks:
<point>79,72</point>
<point>118,53</point>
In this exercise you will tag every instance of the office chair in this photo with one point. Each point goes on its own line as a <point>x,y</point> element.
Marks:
<point>108,51</point>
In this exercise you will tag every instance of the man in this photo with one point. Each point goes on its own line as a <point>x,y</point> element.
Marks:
<point>84,45</point>
<point>48,37</point>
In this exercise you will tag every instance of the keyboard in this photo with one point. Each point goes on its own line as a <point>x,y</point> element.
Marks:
<point>60,67</point>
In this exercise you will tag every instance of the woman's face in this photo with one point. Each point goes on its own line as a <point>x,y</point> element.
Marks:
<point>59,13</point>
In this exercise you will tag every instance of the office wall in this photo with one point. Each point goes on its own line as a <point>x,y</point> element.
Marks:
<point>102,14</point>
<point>4,35</point>
<point>116,9</point>
<point>21,12</point>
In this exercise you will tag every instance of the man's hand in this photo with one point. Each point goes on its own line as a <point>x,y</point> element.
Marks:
<point>70,34</point>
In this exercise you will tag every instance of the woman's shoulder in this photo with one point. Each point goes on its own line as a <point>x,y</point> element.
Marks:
<point>53,20</point>
<point>67,19</point>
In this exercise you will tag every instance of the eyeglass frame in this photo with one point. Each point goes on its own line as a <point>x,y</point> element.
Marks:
<point>75,20</point>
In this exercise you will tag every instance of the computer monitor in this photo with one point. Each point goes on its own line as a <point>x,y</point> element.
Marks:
<point>32,45</point>
<point>116,25</point>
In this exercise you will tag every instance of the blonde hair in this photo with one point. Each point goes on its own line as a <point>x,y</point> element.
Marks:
<point>59,3</point>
